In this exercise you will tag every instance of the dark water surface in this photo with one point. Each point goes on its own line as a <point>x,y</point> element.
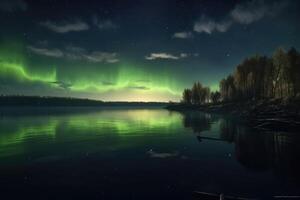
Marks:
<point>140,154</point>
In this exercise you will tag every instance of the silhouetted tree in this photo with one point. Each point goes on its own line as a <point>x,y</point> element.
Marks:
<point>196,93</point>
<point>187,96</point>
<point>280,81</point>
<point>260,77</point>
<point>198,122</point>
<point>215,96</point>
<point>257,77</point>
<point>227,89</point>
<point>249,78</point>
<point>205,95</point>
<point>294,70</point>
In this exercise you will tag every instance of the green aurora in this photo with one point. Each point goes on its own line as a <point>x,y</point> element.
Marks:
<point>150,51</point>
<point>116,81</point>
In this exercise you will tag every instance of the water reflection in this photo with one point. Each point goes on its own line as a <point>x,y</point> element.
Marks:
<point>255,150</point>
<point>142,149</point>
<point>198,122</point>
<point>107,129</point>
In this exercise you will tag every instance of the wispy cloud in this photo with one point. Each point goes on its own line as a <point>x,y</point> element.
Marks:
<point>66,26</point>
<point>13,5</point>
<point>183,35</point>
<point>207,25</point>
<point>62,84</point>
<point>76,53</point>
<point>104,24</point>
<point>42,43</point>
<point>244,13</point>
<point>251,11</point>
<point>139,87</point>
<point>107,83</point>
<point>74,49</point>
<point>183,55</point>
<point>142,81</point>
<point>154,56</point>
<point>98,56</point>
<point>167,56</point>
<point>46,52</point>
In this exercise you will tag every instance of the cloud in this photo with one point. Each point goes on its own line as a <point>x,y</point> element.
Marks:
<point>76,53</point>
<point>107,83</point>
<point>66,26</point>
<point>183,35</point>
<point>206,25</point>
<point>98,56</point>
<point>75,49</point>
<point>183,55</point>
<point>13,5</point>
<point>248,12</point>
<point>139,87</point>
<point>42,43</point>
<point>154,56</point>
<point>46,52</point>
<point>62,84</point>
<point>251,11</point>
<point>243,13</point>
<point>142,81</point>
<point>104,24</point>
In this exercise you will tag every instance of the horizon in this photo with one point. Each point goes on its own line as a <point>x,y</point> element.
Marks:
<point>75,98</point>
<point>135,51</point>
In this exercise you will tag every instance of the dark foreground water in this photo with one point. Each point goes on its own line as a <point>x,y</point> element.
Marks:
<point>140,154</point>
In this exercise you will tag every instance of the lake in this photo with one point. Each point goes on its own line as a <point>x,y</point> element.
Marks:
<point>140,153</point>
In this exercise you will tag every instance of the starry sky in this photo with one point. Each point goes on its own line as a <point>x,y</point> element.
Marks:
<point>139,50</point>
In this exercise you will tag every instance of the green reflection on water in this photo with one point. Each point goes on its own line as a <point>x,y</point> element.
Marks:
<point>111,129</point>
<point>120,136</point>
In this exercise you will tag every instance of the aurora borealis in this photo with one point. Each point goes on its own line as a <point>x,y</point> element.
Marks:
<point>134,50</point>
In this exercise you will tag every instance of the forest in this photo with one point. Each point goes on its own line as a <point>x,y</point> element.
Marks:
<point>256,78</point>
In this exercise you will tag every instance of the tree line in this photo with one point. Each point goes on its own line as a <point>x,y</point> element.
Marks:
<point>257,77</point>
<point>199,94</point>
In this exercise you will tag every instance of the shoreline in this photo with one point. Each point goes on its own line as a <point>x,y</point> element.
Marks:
<point>266,115</point>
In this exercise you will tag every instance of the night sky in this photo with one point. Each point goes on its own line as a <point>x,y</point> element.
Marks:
<point>142,50</point>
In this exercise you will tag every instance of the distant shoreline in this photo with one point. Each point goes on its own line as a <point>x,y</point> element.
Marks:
<point>37,101</point>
